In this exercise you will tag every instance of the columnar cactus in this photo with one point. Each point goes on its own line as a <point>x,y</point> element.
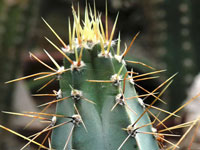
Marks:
<point>95,94</point>
<point>97,106</point>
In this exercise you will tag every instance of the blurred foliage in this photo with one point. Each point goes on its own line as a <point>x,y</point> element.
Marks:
<point>17,19</point>
<point>176,27</point>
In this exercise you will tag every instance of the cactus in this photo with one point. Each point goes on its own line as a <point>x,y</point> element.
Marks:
<point>97,106</point>
<point>91,83</point>
<point>97,94</point>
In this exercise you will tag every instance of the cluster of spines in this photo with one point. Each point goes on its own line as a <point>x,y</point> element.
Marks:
<point>132,130</point>
<point>101,38</point>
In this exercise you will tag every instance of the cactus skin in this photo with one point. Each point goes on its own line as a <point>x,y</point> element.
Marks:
<point>104,127</point>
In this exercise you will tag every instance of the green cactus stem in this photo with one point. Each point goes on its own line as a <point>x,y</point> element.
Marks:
<point>96,104</point>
